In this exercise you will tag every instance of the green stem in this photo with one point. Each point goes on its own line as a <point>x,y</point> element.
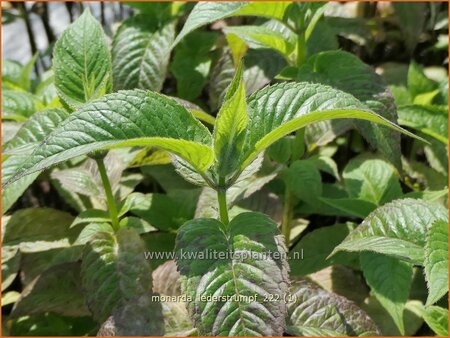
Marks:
<point>287,215</point>
<point>223,209</point>
<point>109,194</point>
<point>301,49</point>
<point>298,148</point>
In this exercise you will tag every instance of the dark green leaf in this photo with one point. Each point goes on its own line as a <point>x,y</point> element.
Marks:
<point>310,253</point>
<point>232,272</point>
<point>390,281</point>
<point>141,53</point>
<point>312,309</point>
<point>358,79</point>
<point>117,281</point>
<point>56,290</point>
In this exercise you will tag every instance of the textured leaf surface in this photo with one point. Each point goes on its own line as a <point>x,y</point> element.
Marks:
<point>81,62</point>
<point>390,280</point>
<point>17,105</point>
<point>312,309</point>
<point>127,118</point>
<point>356,78</point>
<point>397,229</point>
<point>430,120</point>
<point>436,260</point>
<point>117,281</point>
<point>234,277</point>
<point>141,53</point>
<point>230,126</point>
<point>437,318</point>
<point>208,12</point>
<point>280,109</point>
<point>34,130</point>
<point>56,290</point>
<point>373,180</point>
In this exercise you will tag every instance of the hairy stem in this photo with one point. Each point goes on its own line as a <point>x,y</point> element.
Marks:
<point>223,209</point>
<point>109,194</point>
<point>287,215</point>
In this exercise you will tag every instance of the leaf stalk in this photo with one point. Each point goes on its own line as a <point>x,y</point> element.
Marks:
<point>112,208</point>
<point>223,209</point>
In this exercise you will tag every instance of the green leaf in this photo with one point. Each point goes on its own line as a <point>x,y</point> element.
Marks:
<point>427,195</point>
<point>141,53</point>
<point>304,180</point>
<point>230,127</point>
<point>260,67</point>
<point>12,192</point>
<point>164,211</point>
<point>278,110</point>
<point>418,82</point>
<point>412,22</point>
<point>192,62</point>
<point>263,37</point>
<point>35,263</point>
<point>412,317</point>
<point>390,280</point>
<point>315,247</point>
<point>52,325</point>
<point>312,309</point>
<point>396,229</point>
<point>91,216</point>
<point>39,229</point>
<point>157,245</point>
<point>18,75</point>
<point>234,273</point>
<point>36,128</point>
<point>56,290</point>
<point>208,12</point>
<point>437,319</point>
<point>127,118</point>
<point>371,179</point>
<point>436,260</point>
<point>82,62</point>
<point>18,105</point>
<point>79,180</point>
<point>358,79</point>
<point>430,120</point>
<point>117,280</point>
<point>351,206</point>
